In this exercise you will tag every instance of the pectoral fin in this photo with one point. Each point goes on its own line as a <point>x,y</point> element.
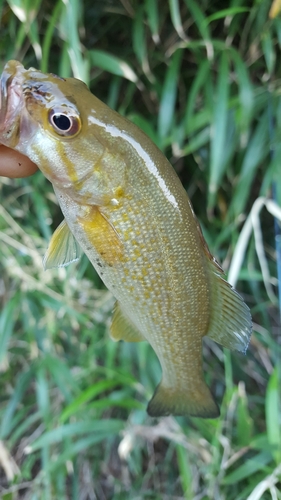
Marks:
<point>122,328</point>
<point>102,235</point>
<point>231,322</point>
<point>63,248</point>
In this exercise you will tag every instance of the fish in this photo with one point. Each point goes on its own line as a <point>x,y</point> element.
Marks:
<point>126,209</point>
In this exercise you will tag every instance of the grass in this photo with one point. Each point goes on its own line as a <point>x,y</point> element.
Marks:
<point>73,423</point>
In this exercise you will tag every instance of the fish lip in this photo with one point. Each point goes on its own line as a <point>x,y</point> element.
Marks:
<point>11,101</point>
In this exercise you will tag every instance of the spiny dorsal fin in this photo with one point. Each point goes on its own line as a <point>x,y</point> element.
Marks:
<point>122,328</point>
<point>63,248</point>
<point>231,322</point>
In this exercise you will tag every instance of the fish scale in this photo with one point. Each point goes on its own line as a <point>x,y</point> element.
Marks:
<point>162,316</point>
<point>125,206</point>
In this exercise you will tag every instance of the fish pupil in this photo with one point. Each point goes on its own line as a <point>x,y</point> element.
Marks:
<point>62,122</point>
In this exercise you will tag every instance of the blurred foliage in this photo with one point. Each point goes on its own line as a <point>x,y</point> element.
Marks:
<point>202,79</point>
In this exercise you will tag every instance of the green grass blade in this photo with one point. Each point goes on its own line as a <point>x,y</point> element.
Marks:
<point>87,395</point>
<point>46,46</point>
<point>70,21</point>
<point>256,152</point>
<point>176,17</point>
<point>218,132</point>
<point>254,465</point>
<point>244,419</point>
<point>8,317</point>
<point>18,394</point>
<point>185,471</point>
<point>139,41</point>
<point>169,95</point>
<point>268,50</point>
<point>273,413</point>
<point>151,7</point>
<point>246,93</point>
<point>202,75</point>
<point>113,64</point>
<point>221,14</point>
<point>199,19</point>
<point>74,430</point>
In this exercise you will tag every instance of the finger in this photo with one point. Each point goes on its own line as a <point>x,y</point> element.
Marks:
<point>13,164</point>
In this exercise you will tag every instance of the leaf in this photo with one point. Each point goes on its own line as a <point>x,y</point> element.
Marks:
<point>113,64</point>
<point>199,18</point>
<point>48,35</point>
<point>268,50</point>
<point>151,7</point>
<point>249,467</point>
<point>90,427</point>
<point>42,392</point>
<point>73,449</point>
<point>273,413</point>
<point>8,317</point>
<point>244,419</point>
<point>196,142</point>
<point>176,17</point>
<point>146,126</point>
<point>275,9</point>
<point>169,95</point>
<point>232,11</point>
<point>185,471</point>
<point>256,151</point>
<point>218,130</point>
<point>70,20</point>
<point>139,41</point>
<point>18,393</point>
<point>246,92</point>
<point>87,395</point>
<point>202,75</point>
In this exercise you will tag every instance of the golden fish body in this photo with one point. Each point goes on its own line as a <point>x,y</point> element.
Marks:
<point>124,204</point>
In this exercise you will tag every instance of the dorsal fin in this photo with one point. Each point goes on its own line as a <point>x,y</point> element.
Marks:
<point>231,322</point>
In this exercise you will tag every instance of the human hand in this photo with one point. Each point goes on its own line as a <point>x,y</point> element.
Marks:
<point>14,165</point>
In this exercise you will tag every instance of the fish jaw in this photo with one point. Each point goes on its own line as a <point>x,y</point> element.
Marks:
<point>11,103</point>
<point>16,127</point>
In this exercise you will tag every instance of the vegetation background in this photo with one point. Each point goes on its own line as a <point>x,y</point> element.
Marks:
<point>202,79</point>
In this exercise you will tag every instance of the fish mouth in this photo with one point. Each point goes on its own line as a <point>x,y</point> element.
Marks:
<point>11,102</point>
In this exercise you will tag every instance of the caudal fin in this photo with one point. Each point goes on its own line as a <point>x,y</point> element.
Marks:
<point>198,402</point>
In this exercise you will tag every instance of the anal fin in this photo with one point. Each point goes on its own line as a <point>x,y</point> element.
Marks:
<point>122,328</point>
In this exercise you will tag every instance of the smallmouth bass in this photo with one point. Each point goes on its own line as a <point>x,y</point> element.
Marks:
<point>125,206</point>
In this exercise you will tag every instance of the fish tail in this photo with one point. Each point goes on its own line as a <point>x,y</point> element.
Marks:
<point>171,401</point>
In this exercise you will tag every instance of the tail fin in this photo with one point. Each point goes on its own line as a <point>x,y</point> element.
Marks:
<point>197,402</point>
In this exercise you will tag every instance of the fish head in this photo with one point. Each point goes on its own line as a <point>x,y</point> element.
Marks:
<point>48,119</point>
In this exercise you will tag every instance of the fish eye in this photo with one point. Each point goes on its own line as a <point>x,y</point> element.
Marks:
<point>64,123</point>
